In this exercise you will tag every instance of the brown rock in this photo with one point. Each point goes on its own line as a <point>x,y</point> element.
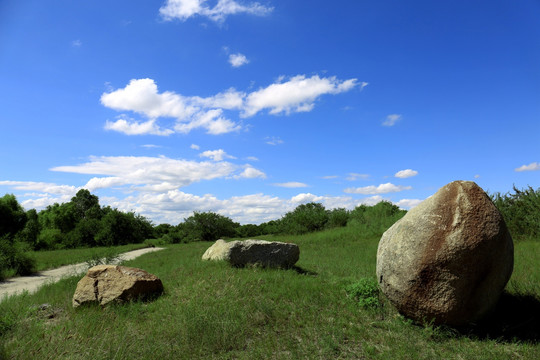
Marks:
<point>106,283</point>
<point>448,259</point>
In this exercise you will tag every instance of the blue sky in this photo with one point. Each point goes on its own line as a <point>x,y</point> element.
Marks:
<point>249,109</point>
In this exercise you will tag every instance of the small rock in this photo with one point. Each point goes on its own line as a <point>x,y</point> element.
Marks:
<point>448,259</point>
<point>107,283</point>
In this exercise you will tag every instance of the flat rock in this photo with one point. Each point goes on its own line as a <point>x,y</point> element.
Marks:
<point>448,259</point>
<point>113,283</point>
<point>254,252</point>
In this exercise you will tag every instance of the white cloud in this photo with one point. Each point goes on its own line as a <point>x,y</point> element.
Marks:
<point>237,60</point>
<point>477,176</point>
<point>407,173</point>
<point>141,96</point>
<point>252,158</point>
<point>216,155</point>
<point>212,121</point>
<point>195,147</point>
<point>192,112</point>
<point>76,43</point>
<point>328,177</point>
<point>132,127</point>
<point>122,171</point>
<point>356,176</point>
<point>151,146</point>
<point>534,166</point>
<point>296,95</point>
<point>381,189</point>
<point>408,203</point>
<point>250,173</point>
<point>184,9</point>
<point>41,187</point>
<point>291,184</point>
<point>274,141</point>
<point>392,119</point>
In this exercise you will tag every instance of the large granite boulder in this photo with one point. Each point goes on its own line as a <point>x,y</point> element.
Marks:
<point>448,259</point>
<point>107,283</point>
<point>254,252</point>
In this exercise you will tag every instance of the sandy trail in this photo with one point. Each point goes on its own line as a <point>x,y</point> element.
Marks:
<point>32,283</point>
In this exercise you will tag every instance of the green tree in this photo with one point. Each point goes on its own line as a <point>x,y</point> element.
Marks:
<point>208,226</point>
<point>29,234</point>
<point>12,216</point>
<point>305,218</point>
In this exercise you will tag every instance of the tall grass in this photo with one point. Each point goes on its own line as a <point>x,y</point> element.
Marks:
<point>212,311</point>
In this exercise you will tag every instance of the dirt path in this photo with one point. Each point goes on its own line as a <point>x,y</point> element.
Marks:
<point>32,283</point>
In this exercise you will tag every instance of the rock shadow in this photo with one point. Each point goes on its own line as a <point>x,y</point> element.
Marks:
<point>516,318</point>
<point>303,271</point>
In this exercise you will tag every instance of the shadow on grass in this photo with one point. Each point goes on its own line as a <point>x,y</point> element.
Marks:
<point>516,318</point>
<point>302,271</point>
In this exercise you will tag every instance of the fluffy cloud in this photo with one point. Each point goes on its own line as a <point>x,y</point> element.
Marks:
<point>407,173</point>
<point>192,112</point>
<point>296,95</point>
<point>216,155</point>
<point>534,166</point>
<point>408,203</point>
<point>250,173</point>
<point>184,9</point>
<point>41,187</point>
<point>237,60</point>
<point>291,184</point>
<point>391,119</point>
<point>381,189</point>
<point>155,173</point>
<point>132,127</point>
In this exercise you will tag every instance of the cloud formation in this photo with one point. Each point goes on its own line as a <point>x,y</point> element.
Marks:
<point>154,173</point>
<point>237,60</point>
<point>391,119</point>
<point>291,184</point>
<point>184,9</point>
<point>534,166</point>
<point>298,94</point>
<point>216,155</point>
<point>142,96</point>
<point>381,189</point>
<point>407,173</point>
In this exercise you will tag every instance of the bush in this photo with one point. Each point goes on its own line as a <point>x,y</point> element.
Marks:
<point>521,212</point>
<point>375,220</point>
<point>304,219</point>
<point>14,256</point>
<point>337,218</point>
<point>365,292</point>
<point>206,226</point>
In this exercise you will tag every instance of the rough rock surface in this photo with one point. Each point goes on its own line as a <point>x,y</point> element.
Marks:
<point>448,259</point>
<point>254,252</point>
<point>106,283</point>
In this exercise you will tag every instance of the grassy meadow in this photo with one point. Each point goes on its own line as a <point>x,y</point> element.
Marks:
<point>212,311</point>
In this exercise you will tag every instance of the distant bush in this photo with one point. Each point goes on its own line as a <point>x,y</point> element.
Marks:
<point>375,220</point>
<point>521,212</point>
<point>338,218</point>
<point>206,226</point>
<point>304,219</point>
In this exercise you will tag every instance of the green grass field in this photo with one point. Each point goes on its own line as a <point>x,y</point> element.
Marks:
<point>212,311</point>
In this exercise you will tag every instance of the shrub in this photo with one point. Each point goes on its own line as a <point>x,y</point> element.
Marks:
<point>375,220</point>
<point>521,211</point>
<point>206,226</point>
<point>337,218</point>
<point>304,219</point>
<point>365,292</point>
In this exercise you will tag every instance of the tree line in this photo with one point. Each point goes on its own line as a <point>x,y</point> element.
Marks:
<point>83,222</point>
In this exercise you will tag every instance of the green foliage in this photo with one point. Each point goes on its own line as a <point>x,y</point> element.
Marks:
<point>521,212</point>
<point>337,218</point>
<point>375,220</point>
<point>14,257</point>
<point>206,226</point>
<point>304,219</point>
<point>365,292</point>
<point>118,228</point>
<point>12,215</point>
